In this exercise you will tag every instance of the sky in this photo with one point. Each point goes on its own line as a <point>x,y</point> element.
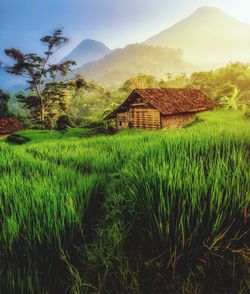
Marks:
<point>114,22</point>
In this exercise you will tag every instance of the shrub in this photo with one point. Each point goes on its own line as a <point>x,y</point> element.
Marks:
<point>27,122</point>
<point>17,139</point>
<point>100,126</point>
<point>64,122</point>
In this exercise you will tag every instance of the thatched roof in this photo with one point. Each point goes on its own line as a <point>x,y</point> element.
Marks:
<point>170,100</point>
<point>9,125</point>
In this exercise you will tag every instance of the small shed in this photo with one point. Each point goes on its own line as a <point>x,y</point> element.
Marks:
<point>9,125</point>
<point>160,108</point>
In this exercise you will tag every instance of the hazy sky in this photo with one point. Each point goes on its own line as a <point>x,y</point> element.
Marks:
<point>114,22</point>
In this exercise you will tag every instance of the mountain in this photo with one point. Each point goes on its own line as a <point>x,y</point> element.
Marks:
<point>88,50</point>
<point>208,37</point>
<point>121,64</point>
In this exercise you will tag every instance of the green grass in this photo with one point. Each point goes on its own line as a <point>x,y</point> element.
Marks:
<point>137,212</point>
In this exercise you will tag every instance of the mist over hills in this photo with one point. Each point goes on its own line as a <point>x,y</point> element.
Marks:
<point>88,50</point>
<point>208,38</point>
<point>121,64</point>
<point>205,40</point>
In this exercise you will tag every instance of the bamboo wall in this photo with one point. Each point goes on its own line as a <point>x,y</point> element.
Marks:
<point>144,118</point>
<point>139,118</point>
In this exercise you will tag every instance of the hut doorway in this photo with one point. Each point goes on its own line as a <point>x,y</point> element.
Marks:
<point>122,120</point>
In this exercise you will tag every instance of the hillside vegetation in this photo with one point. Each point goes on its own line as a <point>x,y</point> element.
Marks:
<point>138,212</point>
<point>121,64</point>
<point>92,101</point>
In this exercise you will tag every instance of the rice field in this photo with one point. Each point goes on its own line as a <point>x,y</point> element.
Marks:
<point>137,212</point>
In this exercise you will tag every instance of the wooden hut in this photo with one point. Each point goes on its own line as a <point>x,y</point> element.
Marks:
<point>160,108</point>
<point>9,125</point>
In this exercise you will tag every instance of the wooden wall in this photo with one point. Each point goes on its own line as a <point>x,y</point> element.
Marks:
<point>177,121</point>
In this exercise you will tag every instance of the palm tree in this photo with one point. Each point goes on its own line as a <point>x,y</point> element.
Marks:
<point>233,102</point>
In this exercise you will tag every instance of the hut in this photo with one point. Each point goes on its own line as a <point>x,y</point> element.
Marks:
<point>9,125</point>
<point>160,108</point>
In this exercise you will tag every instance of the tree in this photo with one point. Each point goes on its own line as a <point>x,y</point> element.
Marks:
<point>222,82</point>
<point>139,81</point>
<point>87,99</point>
<point>177,81</point>
<point>4,99</point>
<point>47,95</point>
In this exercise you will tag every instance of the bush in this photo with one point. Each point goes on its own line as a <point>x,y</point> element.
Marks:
<point>94,124</point>
<point>18,139</point>
<point>27,122</point>
<point>99,126</point>
<point>64,122</point>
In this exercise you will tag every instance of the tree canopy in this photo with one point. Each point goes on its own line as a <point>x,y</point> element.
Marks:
<point>85,100</point>
<point>47,96</point>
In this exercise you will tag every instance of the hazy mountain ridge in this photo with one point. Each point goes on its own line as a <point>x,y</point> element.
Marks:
<point>208,38</point>
<point>88,50</point>
<point>121,64</point>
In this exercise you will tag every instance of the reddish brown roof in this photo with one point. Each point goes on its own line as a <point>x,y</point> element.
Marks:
<point>9,125</point>
<point>172,100</point>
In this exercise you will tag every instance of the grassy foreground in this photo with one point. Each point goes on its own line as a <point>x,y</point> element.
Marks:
<point>138,212</point>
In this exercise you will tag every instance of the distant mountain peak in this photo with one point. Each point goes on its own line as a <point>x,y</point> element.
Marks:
<point>86,51</point>
<point>209,38</point>
<point>211,12</point>
<point>91,42</point>
<point>208,9</point>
